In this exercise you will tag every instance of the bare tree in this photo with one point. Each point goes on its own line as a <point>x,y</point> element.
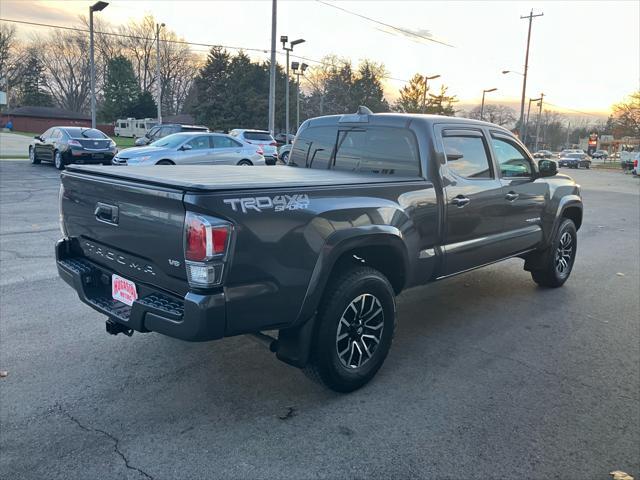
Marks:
<point>178,68</point>
<point>64,56</point>
<point>498,114</point>
<point>139,47</point>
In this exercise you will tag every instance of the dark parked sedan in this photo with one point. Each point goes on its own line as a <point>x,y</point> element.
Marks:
<point>574,160</point>
<point>65,145</point>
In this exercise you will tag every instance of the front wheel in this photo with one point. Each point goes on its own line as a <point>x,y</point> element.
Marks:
<point>356,322</point>
<point>33,157</point>
<point>560,257</point>
<point>284,158</point>
<point>57,160</point>
<point>165,162</point>
<point>245,163</point>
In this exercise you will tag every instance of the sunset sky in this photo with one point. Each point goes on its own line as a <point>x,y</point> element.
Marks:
<point>584,55</point>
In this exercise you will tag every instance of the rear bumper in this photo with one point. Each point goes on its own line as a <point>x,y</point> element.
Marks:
<point>84,157</point>
<point>270,159</point>
<point>193,318</point>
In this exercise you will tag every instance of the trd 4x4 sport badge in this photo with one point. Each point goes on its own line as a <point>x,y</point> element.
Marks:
<point>279,203</point>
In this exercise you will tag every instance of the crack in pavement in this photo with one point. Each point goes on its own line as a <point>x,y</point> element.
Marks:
<point>116,441</point>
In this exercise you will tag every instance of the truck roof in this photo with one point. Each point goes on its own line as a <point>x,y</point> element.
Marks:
<point>210,178</point>
<point>395,119</point>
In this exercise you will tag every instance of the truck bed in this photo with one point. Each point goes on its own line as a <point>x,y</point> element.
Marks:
<point>211,178</point>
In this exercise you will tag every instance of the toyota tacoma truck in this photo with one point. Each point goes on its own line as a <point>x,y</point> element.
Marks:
<point>313,253</point>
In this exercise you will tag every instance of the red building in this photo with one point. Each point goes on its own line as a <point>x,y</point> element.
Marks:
<point>39,119</point>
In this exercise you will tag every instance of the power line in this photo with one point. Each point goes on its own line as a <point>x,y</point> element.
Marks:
<point>180,42</point>
<point>123,35</point>
<point>398,29</point>
<point>573,110</point>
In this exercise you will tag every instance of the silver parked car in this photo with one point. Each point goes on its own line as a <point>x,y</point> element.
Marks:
<point>258,137</point>
<point>192,148</point>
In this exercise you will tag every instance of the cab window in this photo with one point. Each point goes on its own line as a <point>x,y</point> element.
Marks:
<point>511,160</point>
<point>199,143</point>
<point>467,156</point>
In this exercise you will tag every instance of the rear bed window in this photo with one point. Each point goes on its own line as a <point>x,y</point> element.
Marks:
<point>262,136</point>
<point>379,150</point>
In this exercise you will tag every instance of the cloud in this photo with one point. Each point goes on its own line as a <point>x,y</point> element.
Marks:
<point>40,12</point>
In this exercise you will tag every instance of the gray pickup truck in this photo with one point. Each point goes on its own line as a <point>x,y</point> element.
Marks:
<point>368,205</point>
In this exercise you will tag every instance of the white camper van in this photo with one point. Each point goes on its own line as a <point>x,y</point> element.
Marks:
<point>132,127</point>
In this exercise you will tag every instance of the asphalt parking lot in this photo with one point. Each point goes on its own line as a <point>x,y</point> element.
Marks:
<point>489,375</point>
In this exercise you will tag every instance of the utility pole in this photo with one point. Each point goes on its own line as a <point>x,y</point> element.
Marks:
<point>284,39</point>
<point>566,145</point>
<point>158,79</point>
<point>535,148</point>
<point>424,94</point>
<point>531,16</point>
<point>272,69</point>
<point>96,7</point>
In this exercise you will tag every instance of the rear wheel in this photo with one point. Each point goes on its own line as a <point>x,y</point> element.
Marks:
<point>165,162</point>
<point>58,160</point>
<point>245,163</point>
<point>355,328</point>
<point>559,258</point>
<point>33,157</point>
<point>284,157</point>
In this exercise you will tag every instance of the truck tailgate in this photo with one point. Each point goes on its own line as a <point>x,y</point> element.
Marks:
<point>134,229</point>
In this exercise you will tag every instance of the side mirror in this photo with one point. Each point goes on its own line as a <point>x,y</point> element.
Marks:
<point>140,142</point>
<point>37,137</point>
<point>547,168</point>
<point>186,147</point>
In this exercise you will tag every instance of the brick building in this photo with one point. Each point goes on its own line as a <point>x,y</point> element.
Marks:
<point>39,119</point>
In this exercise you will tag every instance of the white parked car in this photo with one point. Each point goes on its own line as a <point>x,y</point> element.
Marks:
<point>259,137</point>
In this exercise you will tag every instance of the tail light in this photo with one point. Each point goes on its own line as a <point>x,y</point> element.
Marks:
<point>635,163</point>
<point>74,143</point>
<point>260,151</point>
<point>273,144</point>
<point>206,240</point>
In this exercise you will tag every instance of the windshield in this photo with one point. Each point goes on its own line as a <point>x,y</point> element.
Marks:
<point>170,141</point>
<point>261,136</point>
<point>79,132</point>
<point>574,155</point>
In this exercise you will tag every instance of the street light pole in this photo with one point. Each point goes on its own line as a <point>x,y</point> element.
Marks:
<point>159,80</point>
<point>526,124</point>
<point>298,69</point>
<point>531,16</point>
<point>272,69</point>
<point>96,7</point>
<point>424,94</point>
<point>535,148</point>
<point>482,106</point>
<point>284,39</point>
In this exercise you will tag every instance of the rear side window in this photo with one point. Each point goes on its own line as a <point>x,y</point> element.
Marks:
<point>259,136</point>
<point>467,156</point>
<point>224,142</point>
<point>381,150</point>
<point>313,148</point>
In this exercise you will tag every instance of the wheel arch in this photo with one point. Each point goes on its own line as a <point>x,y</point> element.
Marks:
<point>381,247</point>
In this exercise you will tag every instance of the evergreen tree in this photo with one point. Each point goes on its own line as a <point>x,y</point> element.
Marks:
<point>33,84</point>
<point>416,98</point>
<point>121,90</point>
<point>367,88</point>
<point>143,107</point>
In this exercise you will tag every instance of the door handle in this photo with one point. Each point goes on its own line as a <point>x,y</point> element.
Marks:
<point>106,213</point>
<point>511,196</point>
<point>460,201</point>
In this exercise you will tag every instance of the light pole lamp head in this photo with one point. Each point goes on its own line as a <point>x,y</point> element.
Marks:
<point>297,42</point>
<point>98,6</point>
<point>303,67</point>
<point>504,72</point>
<point>295,66</point>
<point>433,77</point>
<point>284,39</point>
<point>490,90</point>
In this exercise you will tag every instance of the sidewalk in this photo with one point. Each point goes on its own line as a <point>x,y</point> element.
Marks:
<point>13,145</point>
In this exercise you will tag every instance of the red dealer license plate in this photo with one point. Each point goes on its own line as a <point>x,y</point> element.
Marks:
<point>123,290</point>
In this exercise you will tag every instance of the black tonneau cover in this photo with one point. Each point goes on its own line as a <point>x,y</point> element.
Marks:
<point>232,177</point>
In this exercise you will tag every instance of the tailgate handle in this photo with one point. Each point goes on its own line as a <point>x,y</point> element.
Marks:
<point>106,213</point>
